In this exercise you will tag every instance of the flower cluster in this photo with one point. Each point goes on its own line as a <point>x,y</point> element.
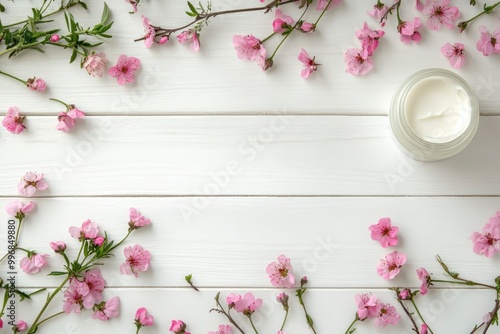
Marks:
<point>488,242</point>
<point>359,60</point>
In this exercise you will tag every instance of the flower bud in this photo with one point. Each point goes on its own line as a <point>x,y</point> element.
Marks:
<point>54,38</point>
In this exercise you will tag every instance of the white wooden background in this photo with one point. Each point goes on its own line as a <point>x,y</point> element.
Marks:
<point>310,162</point>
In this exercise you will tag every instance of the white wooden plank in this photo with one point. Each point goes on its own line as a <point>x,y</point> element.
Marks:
<point>446,311</point>
<point>176,80</point>
<point>252,155</point>
<point>230,241</point>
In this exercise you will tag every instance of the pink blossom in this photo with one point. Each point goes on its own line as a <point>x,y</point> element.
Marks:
<point>150,31</point>
<point>137,259</point>
<point>133,4</point>
<point>13,121</point>
<point>137,220</point>
<point>405,294</point>
<point>1,323</point>
<point>33,263</point>
<point>107,310</point>
<point>18,209</point>
<point>369,38</point>
<point>281,272</point>
<point>124,69</point>
<point>190,36</point>
<point>251,48</point>
<point>178,327</point>
<point>387,316</point>
<point>95,64</point>
<point>74,296</point>
<point>488,43</point>
<point>58,246</point>
<point>143,318</point>
<point>282,22</point>
<point>368,306</point>
<point>66,119</point>
<point>282,298</point>
<point>163,40</point>
<point>232,299</point>
<point>30,183</point>
<point>488,242</point>
<point>54,38</point>
<point>21,326</point>
<point>454,53</point>
<point>358,62</point>
<point>98,241</point>
<point>323,3</point>
<point>408,31</point>
<point>390,266</point>
<point>248,304</point>
<point>440,12</point>
<point>424,278</point>
<point>419,5</point>
<point>424,329</point>
<point>88,230</point>
<point>223,329</point>
<point>95,283</point>
<point>36,84</point>
<point>310,65</point>
<point>384,233</point>
<point>306,26</point>
<point>378,11</point>
<point>487,317</point>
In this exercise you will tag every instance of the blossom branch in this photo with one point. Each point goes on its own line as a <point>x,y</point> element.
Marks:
<point>221,310</point>
<point>456,277</point>
<point>487,10</point>
<point>405,309</point>
<point>493,318</point>
<point>299,293</point>
<point>349,330</point>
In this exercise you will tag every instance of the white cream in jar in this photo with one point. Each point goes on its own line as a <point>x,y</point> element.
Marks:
<point>434,115</point>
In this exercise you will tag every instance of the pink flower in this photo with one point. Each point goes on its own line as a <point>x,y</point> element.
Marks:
<point>33,263</point>
<point>408,31</point>
<point>107,310</point>
<point>190,36</point>
<point>387,316</point>
<point>142,318</point>
<point>95,283</point>
<point>488,43</point>
<point>30,183</point>
<point>36,84</point>
<point>137,259</point>
<point>369,38</point>
<point>424,278</point>
<point>323,3</point>
<point>488,242</point>
<point>66,119</point>
<point>58,246</point>
<point>124,69</point>
<point>368,306</point>
<point>134,5</point>
<point>282,22</point>
<point>232,299</point>
<point>13,121</point>
<point>88,230</point>
<point>310,65</point>
<point>98,241</point>
<point>384,233</point>
<point>95,64</point>
<point>282,298</point>
<point>163,40</point>
<point>424,329</point>
<point>137,220</point>
<point>405,294</point>
<point>251,48</point>
<point>178,327</point>
<point>378,11</point>
<point>150,31</point>
<point>440,12</point>
<point>75,296</point>
<point>391,265</point>
<point>21,326</point>
<point>306,26</point>
<point>223,329</point>
<point>248,304</point>
<point>281,273</point>
<point>18,209</point>
<point>358,62</point>
<point>54,38</point>
<point>454,53</point>
<point>419,5</point>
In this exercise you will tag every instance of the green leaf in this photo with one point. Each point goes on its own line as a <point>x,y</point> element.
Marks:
<point>310,321</point>
<point>67,20</point>
<point>57,273</point>
<point>2,8</point>
<point>193,9</point>
<point>23,295</point>
<point>83,4</point>
<point>191,14</point>
<point>105,14</point>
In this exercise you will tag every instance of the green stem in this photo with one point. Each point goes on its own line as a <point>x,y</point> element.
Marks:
<point>11,76</point>
<point>251,322</point>
<point>463,282</point>
<point>322,13</point>
<point>68,5</point>
<point>488,10</point>
<point>415,326</point>
<point>52,316</point>
<point>35,324</point>
<point>420,315</point>
<point>308,317</point>
<point>284,320</point>
<point>20,219</point>
<point>356,318</point>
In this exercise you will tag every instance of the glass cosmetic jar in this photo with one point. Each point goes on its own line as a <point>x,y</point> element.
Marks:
<point>433,115</point>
